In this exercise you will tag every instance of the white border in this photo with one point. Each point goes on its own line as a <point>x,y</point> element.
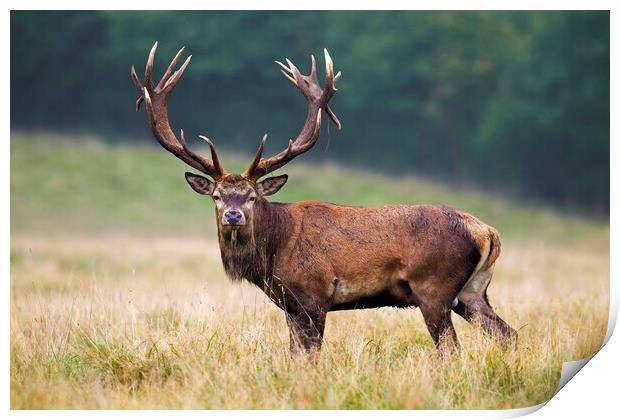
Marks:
<point>594,393</point>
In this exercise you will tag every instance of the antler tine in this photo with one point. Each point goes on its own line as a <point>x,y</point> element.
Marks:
<point>329,69</point>
<point>171,83</point>
<point>139,102</point>
<point>149,106</point>
<point>216,160</point>
<point>148,72</point>
<point>170,68</point>
<point>291,66</point>
<point>316,132</point>
<point>136,80</point>
<point>138,84</point>
<point>257,158</point>
<point>330,87</point>
<point>330,80</point>
<point>206,163</point>
<point>313,70</point>
<point>156,99</point>
<point>333,117</point>
<point>289,78</point>
<point>284,68</point>
<point>296,73</point>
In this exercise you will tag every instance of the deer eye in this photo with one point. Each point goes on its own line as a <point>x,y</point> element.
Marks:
<point>216,197</point>
<point>251,199</point>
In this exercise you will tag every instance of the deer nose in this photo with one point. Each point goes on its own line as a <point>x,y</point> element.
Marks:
<point>233,216</point>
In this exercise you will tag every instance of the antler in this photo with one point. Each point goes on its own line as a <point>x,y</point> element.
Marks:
<point>318,100</point>
<point>156,98</point>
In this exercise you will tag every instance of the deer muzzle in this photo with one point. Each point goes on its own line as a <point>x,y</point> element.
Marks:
<point>233,217</point>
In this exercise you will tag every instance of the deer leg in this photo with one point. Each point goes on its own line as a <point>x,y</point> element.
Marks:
<point>306,330</point>
<point>439,323</point>
<point>473,308</point>
<point>473,303</point>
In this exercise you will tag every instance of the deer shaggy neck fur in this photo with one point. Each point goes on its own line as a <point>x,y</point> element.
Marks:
<point>251,255</point>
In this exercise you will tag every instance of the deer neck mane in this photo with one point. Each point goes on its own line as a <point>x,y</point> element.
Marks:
<point>249,252</point>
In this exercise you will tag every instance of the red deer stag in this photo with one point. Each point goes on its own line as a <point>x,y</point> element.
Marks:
<point>313,257</point>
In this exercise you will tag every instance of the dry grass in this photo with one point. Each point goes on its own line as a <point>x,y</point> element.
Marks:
<point>120,322</point>
<point>104,320</point>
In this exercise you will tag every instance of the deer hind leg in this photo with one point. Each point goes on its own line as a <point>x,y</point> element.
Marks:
<point>472,303</point>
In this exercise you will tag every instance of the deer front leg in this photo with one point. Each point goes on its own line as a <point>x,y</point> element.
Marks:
<point>440,327</point>
<point>306,329</point>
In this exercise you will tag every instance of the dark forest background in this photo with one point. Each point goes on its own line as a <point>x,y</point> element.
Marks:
<point>513,102</point>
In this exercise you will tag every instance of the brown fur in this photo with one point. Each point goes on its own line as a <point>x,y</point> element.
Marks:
<point>313,257</point>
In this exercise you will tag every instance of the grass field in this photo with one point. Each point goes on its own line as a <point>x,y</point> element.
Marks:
<point>118,298</point>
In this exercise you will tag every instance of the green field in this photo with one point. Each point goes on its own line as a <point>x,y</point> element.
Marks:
<point>80,184</point>
<point>118,298</point>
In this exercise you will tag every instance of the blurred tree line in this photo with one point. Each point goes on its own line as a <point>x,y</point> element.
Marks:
<point>516,102</point>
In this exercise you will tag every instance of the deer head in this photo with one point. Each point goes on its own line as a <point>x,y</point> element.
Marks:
<point>235,195</point>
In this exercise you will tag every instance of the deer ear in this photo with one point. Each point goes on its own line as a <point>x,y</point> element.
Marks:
<point>271,185</point>
<point>200,184</point>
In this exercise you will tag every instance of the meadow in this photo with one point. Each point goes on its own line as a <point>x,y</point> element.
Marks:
<point>119,300</point>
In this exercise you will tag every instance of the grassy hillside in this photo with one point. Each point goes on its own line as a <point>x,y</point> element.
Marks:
<point>81,185</point>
